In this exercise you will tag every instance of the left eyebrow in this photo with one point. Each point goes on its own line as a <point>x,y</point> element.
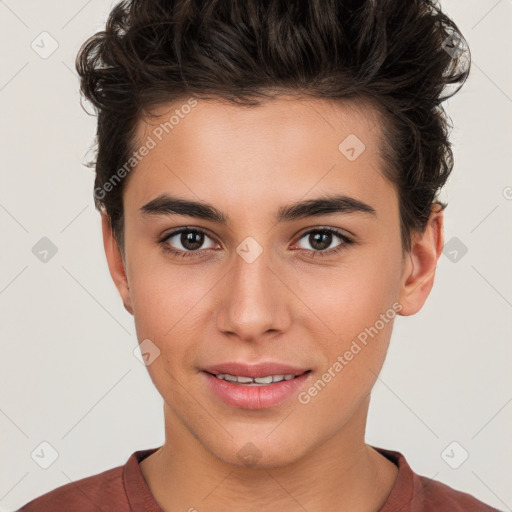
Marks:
<point>327,205</point>
<point>166,204</point>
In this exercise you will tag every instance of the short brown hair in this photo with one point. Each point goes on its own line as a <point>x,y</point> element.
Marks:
<point>400,55</point>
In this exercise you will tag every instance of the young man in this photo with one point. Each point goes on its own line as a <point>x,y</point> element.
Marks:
<point>267,175</point>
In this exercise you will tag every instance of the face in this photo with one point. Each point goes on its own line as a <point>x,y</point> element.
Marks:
<point>294,259</point>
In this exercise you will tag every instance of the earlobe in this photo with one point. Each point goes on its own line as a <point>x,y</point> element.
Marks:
<point>115,262</point>
<point>421,263</point>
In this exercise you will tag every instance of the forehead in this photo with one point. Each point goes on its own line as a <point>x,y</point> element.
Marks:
<point>282,149</point>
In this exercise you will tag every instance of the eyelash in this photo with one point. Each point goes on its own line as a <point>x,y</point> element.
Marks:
<point>190,254</point>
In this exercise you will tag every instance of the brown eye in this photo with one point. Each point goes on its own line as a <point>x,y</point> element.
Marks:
<point>186,241</point>
<point>321,240</point>
<point>191,240</point>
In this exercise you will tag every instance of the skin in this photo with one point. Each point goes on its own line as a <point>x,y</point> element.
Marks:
<point>285,306</point>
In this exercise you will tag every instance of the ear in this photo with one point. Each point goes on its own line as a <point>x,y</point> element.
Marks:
<point>116,264</point>
<point>420,264</point>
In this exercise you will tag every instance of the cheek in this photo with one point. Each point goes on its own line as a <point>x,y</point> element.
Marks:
<point>354,352</point>
<point>152,299</point>
<point>168,303</point>
<point>162,293</point>
<point>355,305</point>
<point>349,298</point>
<point>165,303</point>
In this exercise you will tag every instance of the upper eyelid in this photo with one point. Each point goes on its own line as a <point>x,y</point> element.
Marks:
<point>336,231</point>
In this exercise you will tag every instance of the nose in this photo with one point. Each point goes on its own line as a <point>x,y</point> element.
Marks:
<point>254,300</point>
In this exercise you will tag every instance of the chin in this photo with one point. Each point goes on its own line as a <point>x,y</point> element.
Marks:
<point>259,452</point>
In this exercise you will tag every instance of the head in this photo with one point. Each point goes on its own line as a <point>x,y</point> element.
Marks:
<point>249,107</point>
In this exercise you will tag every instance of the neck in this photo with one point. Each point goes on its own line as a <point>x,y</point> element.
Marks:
<point>342,474</point>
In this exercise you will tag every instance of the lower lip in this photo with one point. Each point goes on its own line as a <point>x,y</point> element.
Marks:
<point>255,397</point>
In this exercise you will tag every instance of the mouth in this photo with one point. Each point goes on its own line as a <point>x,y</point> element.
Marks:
<point>256,381</point>
<point>259,386</point>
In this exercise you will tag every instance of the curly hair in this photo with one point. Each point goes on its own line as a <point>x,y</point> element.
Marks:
<point>401,56</point>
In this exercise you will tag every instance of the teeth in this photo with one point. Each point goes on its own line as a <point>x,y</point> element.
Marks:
<point>256,380</point>
<point>264,380</point>
<point>242,380</point>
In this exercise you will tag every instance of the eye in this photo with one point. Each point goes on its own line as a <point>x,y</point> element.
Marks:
<point>321,239</point>
<point>190,240</point>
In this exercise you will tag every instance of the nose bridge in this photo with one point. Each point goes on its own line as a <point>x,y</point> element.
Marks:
<point>253,301</point>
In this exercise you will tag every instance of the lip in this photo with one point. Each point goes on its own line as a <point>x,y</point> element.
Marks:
<point>255,370</point>
<point>255,397</point>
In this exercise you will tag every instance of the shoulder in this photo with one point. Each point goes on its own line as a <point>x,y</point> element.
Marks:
<point>103,491</point>
<point>439,496</point>
<point>417,493</point>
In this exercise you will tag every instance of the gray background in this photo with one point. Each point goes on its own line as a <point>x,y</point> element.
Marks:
<point>67,369</point>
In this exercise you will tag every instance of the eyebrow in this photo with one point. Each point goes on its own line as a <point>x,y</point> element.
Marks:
<point>165,204</point>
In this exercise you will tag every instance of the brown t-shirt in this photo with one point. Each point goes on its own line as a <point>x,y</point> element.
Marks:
<point>123,489</point>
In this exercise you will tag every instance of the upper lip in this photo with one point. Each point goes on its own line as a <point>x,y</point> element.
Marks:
<point>254,370</point>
